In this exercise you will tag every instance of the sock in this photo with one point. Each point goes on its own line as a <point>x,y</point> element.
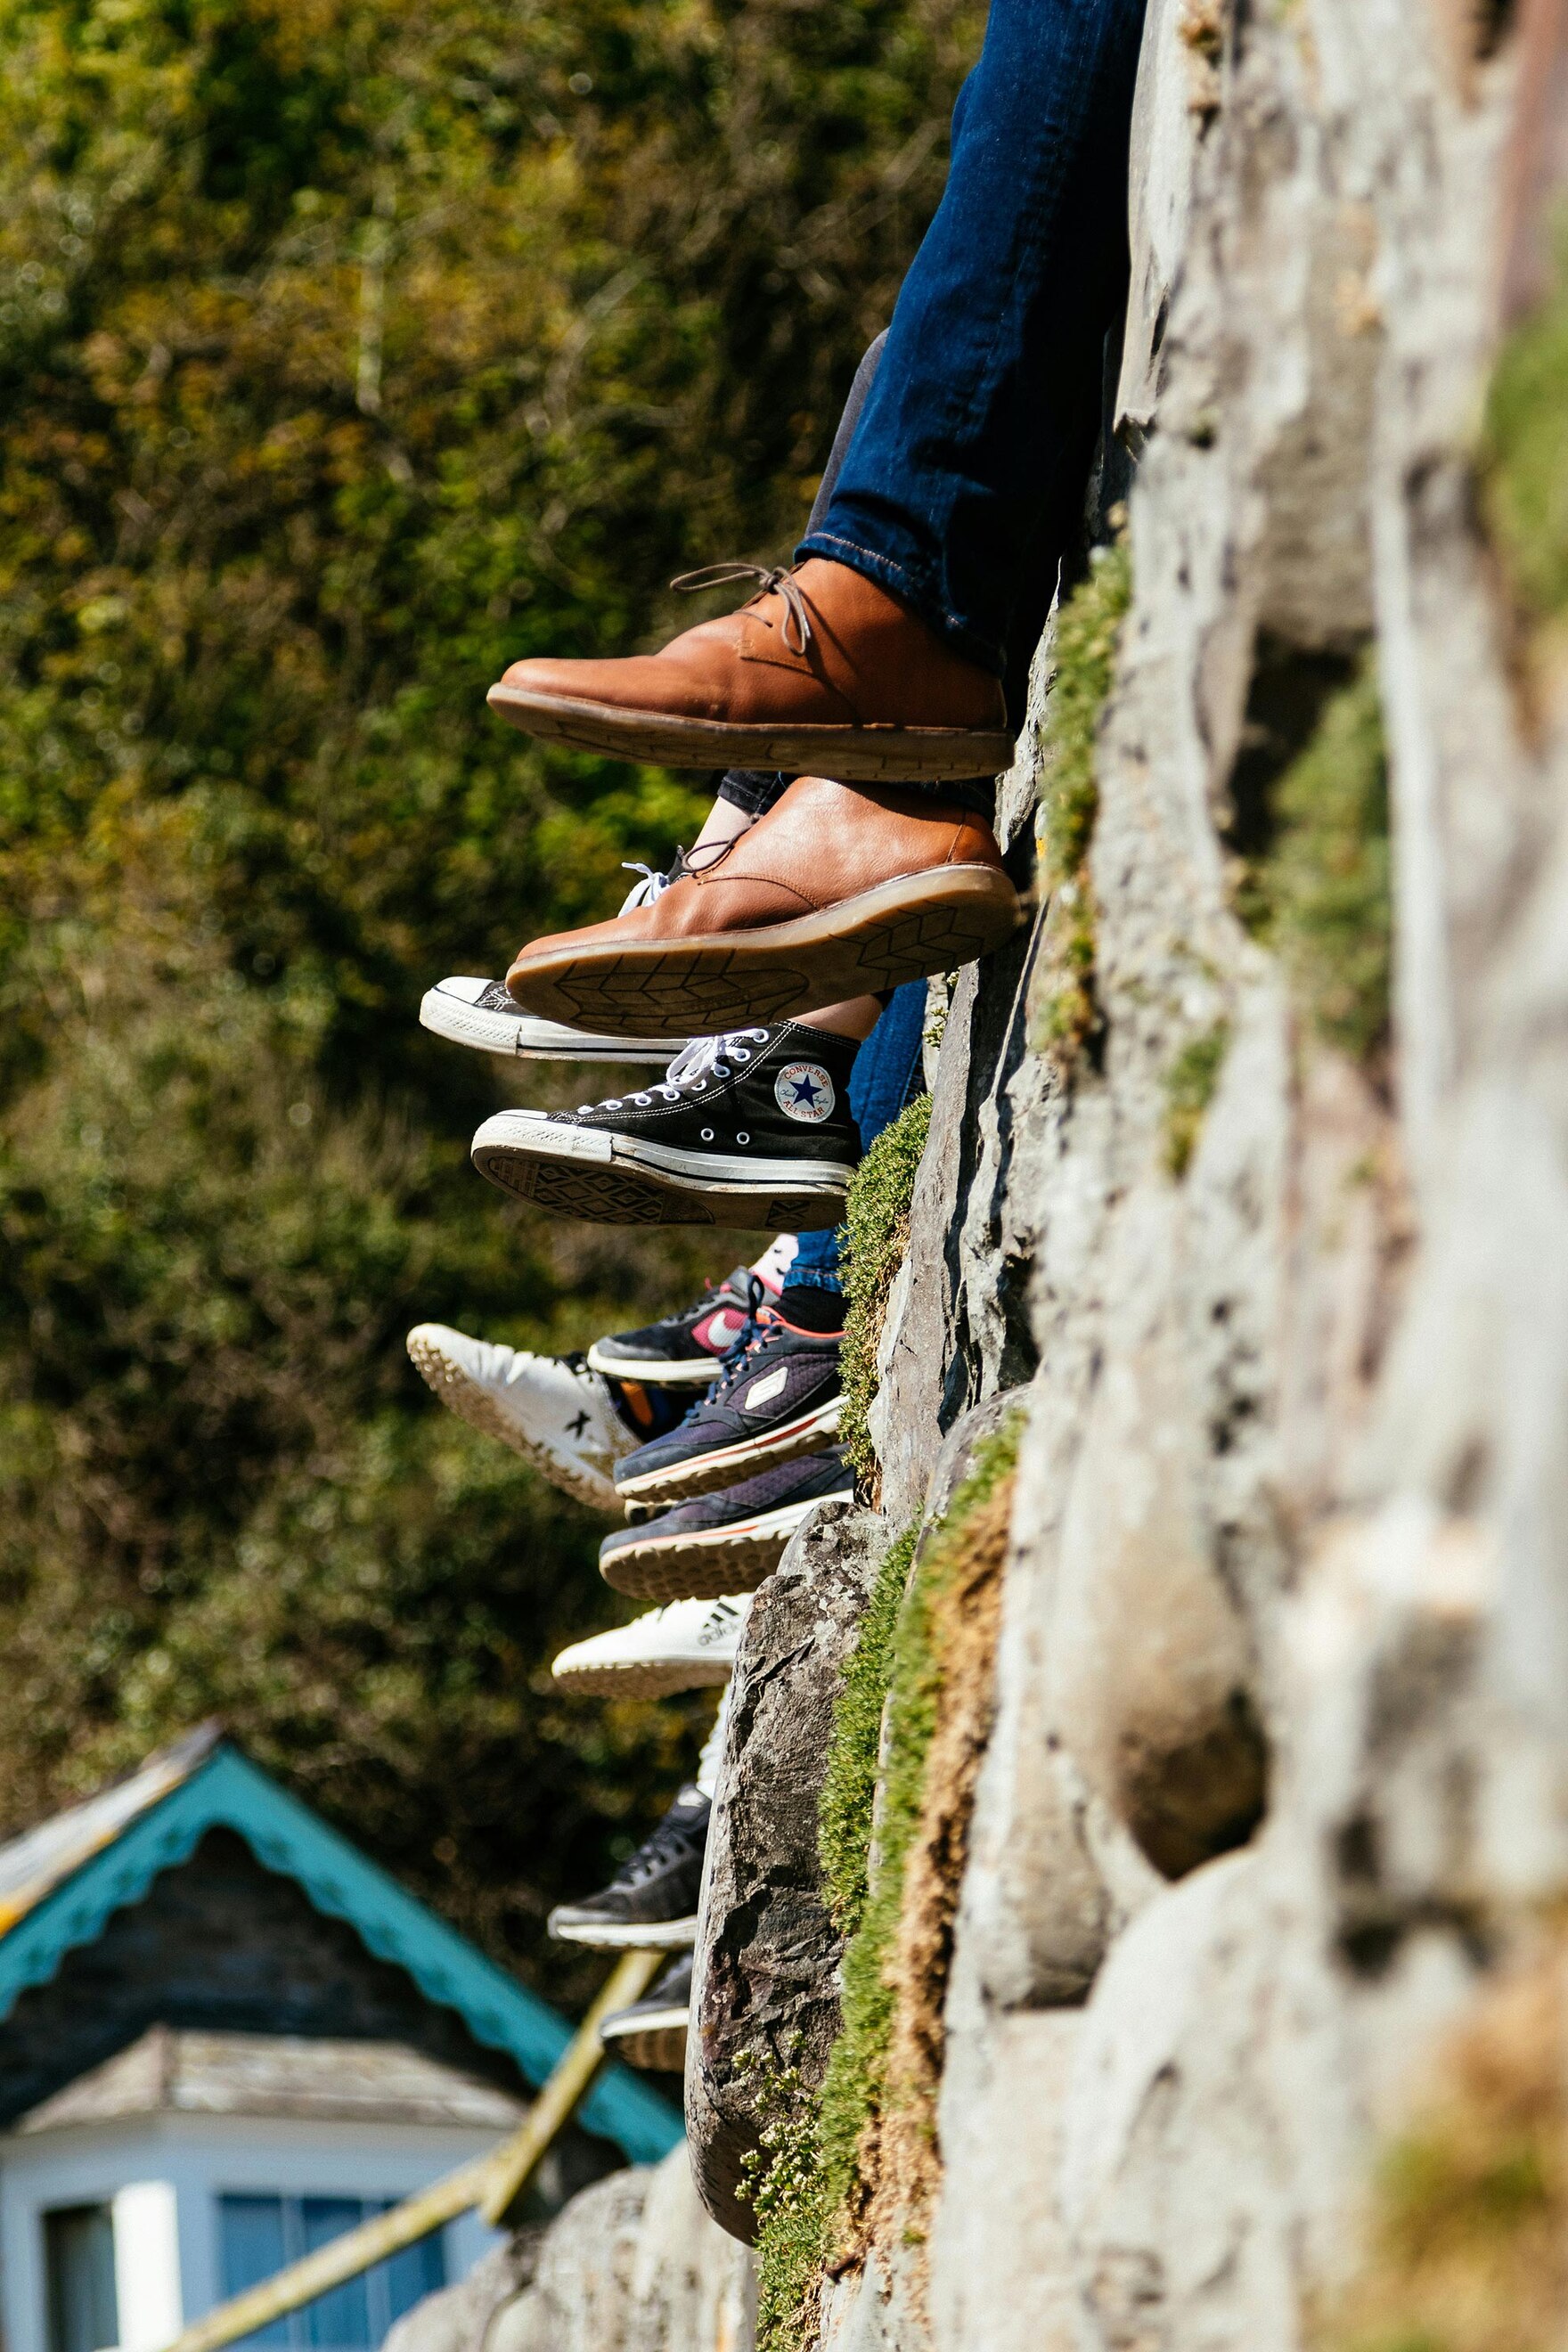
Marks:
<point>776,1261</point>
<point>810,1307</point>
<point>647,1413</point>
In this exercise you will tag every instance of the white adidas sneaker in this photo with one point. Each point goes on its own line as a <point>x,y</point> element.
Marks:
<point>480,1013</point>
<point>551,1410</point>
<point>688,1646</point>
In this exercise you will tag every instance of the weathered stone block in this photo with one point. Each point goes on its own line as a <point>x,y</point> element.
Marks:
<point>765,1991</point>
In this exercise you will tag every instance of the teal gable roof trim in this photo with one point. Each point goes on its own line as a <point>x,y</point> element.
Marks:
<point>228,1792</point>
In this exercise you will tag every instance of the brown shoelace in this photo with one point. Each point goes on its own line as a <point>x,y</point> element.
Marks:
<point>776,579</point>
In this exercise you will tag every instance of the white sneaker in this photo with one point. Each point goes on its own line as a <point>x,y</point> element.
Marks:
<point>479,1012</point>
<point>687,1646</point>
<point>551,1410</point>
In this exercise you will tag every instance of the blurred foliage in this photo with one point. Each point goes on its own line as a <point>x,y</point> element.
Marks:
<point>349,352</point>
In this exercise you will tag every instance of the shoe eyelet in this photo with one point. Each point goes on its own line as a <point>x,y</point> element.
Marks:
<point>707,1135</point>
<point>721,1070</point>
<point>742,1139</point>
<point>741,1053</point>
<point>642,1100</point>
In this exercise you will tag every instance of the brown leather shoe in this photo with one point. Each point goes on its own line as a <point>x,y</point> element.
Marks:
<point>833,893</point>
<point>822,670</point>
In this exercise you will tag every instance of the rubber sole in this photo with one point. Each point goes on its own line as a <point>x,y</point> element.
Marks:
<point>655,1371</point>
<point>849,755</point>
<point>519,1037</point>
<point>666,1935</point>
<point>814,1432</point>
<point>710,1566</point>
<point>646,1677</point>
<point>657,2047</point>
<point>903,929</point>
<point>610,1179</point>
<point>472,1402</point>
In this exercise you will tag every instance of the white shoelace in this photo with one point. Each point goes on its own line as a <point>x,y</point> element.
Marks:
<point>652,885</point>
<point>698,1061</point>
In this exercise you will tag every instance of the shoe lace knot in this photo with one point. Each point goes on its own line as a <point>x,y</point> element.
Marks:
<point>774,579</point>
<point>759,1327</point>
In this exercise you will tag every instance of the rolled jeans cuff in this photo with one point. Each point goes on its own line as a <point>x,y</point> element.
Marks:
<point>907,584</point>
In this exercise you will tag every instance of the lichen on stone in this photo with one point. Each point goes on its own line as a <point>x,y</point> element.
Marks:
<point>1317,890</point>
<point>876,1232</point>
<point>1066,1008</point>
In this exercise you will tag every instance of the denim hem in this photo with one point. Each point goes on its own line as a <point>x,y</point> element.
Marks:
<point>812,1277</point>
<point>889,573</point>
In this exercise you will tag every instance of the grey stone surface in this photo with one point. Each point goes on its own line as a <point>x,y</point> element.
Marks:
<point>765,1991</point>
<point>632,2264</point>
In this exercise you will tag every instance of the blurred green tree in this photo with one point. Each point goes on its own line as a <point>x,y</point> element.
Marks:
<point>348,351</point>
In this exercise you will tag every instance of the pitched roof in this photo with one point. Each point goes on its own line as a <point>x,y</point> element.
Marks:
<point>172,2070</point>
<point>59,1883</point>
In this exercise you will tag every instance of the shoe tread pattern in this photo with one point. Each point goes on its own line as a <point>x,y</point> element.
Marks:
<point>594,1194</point>
<point>711,991</point>
<point>644,1678</point>
<point>472,1402</point>
<point>738,1564</point>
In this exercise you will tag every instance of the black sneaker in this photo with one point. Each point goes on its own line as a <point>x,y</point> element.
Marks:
<point>726,1543</point>
<point>684,1350</point>
<point>777,1398</point>
<point>651,2032</point>
<point>749,1128</point>
<point>651,1902</point>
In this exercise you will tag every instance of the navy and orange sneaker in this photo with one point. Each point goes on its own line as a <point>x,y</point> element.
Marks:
<point>776,1398</point>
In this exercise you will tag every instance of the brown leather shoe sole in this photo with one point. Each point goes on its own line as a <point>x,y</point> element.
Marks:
<point>851,755</point>
<point>902,931</point>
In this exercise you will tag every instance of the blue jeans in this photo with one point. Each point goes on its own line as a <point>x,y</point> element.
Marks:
<point>885,1077</point>
<point>969,458</point>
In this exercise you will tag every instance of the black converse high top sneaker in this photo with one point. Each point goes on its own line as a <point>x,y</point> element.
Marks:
<point>749,1128</point>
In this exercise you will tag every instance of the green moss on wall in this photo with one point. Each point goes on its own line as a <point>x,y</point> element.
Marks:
<point>1189,1090</point>
<point>810,2185</point>
<point>1524,455</point>
<point>1089,629</point>
<point>1319,891</point>
<point>877,1233</point>
<point>1463,2246</point>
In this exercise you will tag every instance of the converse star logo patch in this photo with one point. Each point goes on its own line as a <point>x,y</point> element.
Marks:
<point>803,1090</point>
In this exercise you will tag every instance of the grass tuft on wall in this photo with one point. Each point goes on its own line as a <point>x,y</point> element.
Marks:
<point>812,2193</point>
<point>1319,894</point>
<point>877,1228</point>
<point>1190,1085</point>
<point>1524,472</point>
<point>1089,629</point>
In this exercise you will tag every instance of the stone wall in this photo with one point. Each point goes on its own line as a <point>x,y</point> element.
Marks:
<point>1275,1791</point>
